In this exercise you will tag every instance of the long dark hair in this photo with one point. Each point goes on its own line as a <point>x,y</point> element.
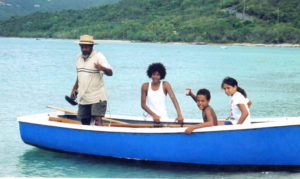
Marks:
<point>232,82</point>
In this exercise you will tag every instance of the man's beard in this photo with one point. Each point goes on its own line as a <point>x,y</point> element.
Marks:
<point>85,54</point>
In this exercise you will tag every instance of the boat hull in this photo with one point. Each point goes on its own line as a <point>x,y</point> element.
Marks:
<point>275,145</point>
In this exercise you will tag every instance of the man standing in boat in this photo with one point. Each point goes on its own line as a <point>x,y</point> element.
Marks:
<point>90,65</point>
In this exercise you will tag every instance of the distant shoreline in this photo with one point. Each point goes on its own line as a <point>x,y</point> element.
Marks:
<point>221,44</point>
<point>191,43</point>
<point>264,45</point>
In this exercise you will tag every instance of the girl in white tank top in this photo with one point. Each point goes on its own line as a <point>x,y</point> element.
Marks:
<point>156,101</point>
<point>153,97</point>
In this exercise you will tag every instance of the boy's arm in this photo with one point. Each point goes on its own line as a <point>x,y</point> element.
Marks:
<point>191,94</point>
<point>174,100</point>
<point>210,121</point>
<point>190,129</point>
<point>156,118</point>
<point>244,113</point>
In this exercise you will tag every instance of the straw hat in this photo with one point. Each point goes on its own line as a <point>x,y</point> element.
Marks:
<point>86,40</point>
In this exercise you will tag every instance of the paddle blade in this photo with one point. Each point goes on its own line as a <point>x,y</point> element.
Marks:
<point>70,100</point>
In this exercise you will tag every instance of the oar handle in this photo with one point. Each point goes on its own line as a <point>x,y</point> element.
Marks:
<point>71,121</point>
<point>63,110</point>
<point>75,113</point>
<point>64,120</point>
<point>146,125</point>
<point>112,120</point>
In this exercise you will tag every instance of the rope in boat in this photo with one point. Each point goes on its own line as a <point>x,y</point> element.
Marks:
<point>108,106</point>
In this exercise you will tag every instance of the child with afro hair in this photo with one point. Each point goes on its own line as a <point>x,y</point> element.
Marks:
<point>154,93</point>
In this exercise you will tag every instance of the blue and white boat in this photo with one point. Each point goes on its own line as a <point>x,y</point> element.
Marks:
<point>268,141</point>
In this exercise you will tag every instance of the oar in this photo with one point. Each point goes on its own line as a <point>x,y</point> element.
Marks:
<point>146,125</point>
<point>65,120</point>
<point>62,109</point>
<point>75,113</point>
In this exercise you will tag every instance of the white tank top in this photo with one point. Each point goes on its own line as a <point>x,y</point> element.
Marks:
<point>156,101</point>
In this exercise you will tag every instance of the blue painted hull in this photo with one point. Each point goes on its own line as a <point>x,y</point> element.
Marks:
<point>260,146</point>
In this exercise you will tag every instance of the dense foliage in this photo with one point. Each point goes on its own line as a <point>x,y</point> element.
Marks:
<point>10,8</point>
<point>272,21</point>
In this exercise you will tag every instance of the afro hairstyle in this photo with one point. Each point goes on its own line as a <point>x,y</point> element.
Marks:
<point>157,67</point>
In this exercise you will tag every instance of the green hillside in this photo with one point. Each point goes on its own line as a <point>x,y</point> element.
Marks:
<point>223,21</point>
<point>10,8</point>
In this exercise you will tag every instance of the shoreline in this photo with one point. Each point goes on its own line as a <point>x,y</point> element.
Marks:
<point>229,44</point>
<point>221,44</point>
<point>265,45</point>
<point>175,43</point>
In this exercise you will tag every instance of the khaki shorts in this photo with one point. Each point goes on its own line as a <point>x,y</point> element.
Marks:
<point>91,110</point>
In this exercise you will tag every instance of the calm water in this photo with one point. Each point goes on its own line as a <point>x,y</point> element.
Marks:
<point>37,73</point>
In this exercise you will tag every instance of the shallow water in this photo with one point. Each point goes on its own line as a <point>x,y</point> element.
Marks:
<point>37,73</point>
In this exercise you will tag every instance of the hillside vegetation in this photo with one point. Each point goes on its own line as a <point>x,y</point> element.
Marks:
<point>10,8</point>
<point>271,21</point>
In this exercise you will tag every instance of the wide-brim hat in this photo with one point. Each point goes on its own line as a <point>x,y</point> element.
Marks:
<point>86,40</point>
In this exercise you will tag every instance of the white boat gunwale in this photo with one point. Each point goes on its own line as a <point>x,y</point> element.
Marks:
<point>42,119</point>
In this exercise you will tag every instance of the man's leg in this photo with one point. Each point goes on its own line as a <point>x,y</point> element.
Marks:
<point>98,111</point>
<point>84,114</point>
<point>98,121</point>
<point>86,121</point>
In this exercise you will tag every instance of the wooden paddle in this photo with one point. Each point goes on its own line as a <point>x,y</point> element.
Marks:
<point>75,113</point>
<point>65,120</point>
<point>146,125</point>
<point>62,109</point>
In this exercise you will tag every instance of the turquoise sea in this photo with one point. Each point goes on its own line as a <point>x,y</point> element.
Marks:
<point>35,73</point>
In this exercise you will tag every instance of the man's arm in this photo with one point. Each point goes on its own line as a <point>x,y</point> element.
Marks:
<point>107,71</point>
<point>75,87</point>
